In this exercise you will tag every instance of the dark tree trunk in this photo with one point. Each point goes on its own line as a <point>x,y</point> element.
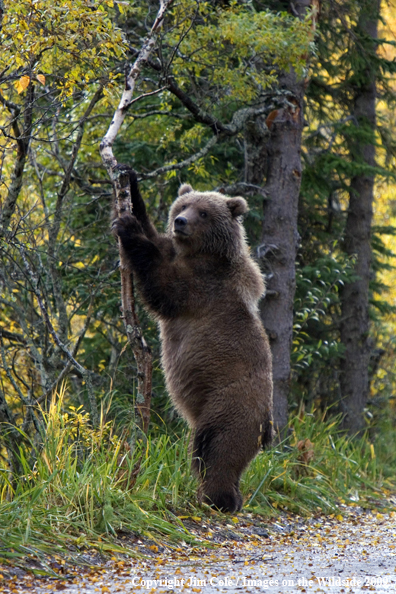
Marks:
<point>281,163</point>
<point>276,158</point>
<point>354,379</point>
<point>280,241</point>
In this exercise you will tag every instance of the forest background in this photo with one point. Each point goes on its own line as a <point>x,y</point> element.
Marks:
<point>290,104</point>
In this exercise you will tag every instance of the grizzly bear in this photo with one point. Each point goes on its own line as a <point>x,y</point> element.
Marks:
<point>202,286</point>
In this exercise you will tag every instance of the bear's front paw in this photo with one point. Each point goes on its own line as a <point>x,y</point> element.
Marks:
<point>126,225</point>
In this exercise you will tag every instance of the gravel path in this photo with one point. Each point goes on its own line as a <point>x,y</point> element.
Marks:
<point>355,553</point>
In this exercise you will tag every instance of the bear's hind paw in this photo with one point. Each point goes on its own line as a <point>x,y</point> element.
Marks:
<point>226,502</point>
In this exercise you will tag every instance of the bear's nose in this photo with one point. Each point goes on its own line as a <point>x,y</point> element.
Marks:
<point>180,222</point>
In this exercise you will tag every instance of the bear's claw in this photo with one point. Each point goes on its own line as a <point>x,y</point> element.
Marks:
<point>127,224</point>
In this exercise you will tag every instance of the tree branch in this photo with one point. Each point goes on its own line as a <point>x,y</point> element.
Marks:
<point>126,99</point>
<point>84,372</point>
<point>23,140</point>
<point>185,163</point>
<point>26,401</point>
<point>238,121</point>
<point>8,429</point>
<point>54,229</point>
<point>121,183</point>
<point>199,115</point>
<point>69,364</point>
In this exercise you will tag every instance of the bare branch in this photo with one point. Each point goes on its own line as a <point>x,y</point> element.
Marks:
<point>126,99</point>
<point>184,163</point>
<point>13,107</point>
<point>54,229</point>
<point>23,140</point>
<point>147,95</point>
<point>84,372</point>
<point>200,116</point>
<point>9,374</point>
<point>242,188</point>
<point>12,336</point>
<point>69,169</point>
<point>69,364</point>
<point>239,118</point>
<point>11,434</point>
<point>26,401</point>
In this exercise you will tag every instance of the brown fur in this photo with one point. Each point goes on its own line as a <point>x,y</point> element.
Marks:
<point>202,286</point>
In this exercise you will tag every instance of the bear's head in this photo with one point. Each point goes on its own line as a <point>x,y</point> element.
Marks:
<point>207,222</point>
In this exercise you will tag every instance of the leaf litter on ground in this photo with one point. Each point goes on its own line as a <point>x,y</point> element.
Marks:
<point>354,543</point>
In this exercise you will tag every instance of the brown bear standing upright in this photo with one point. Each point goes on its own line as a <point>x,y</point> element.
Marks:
<point>202,286</point>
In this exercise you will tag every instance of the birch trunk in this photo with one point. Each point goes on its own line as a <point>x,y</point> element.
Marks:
<point>120,179</point>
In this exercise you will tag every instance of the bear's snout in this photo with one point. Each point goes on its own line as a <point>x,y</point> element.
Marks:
<point>180,224</point>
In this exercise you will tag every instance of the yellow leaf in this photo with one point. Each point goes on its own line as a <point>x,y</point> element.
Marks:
<point>196,518</point>
<point>372,451</point>
<point>235,520</point>
<point>154,548</point>
<point>340,518</point>
<point>41,78</point>
<point>379,516</point>
<point>22,84</point>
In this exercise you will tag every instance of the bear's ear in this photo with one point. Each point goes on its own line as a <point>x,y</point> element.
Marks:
<point>238,206</point>
<point>184,189</point>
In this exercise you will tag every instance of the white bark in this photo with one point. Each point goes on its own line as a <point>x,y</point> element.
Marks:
<point>106,145</point>
<point>121,185</point>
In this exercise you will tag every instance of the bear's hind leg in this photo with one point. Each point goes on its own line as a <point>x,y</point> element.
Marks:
<point>224,500</point>
<point>219,460</point>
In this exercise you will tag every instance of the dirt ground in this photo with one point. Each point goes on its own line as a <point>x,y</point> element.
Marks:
<point>353,552</point>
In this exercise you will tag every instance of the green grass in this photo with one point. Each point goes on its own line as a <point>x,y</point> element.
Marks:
<point>81,490</point>
<point>340,470</point>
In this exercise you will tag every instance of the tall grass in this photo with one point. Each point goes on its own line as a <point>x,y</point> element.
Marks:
<point>315,470</point>
<point>82,488</point>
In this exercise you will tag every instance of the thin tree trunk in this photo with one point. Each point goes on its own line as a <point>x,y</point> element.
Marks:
<point>354,380</point>
<point>121,183</point>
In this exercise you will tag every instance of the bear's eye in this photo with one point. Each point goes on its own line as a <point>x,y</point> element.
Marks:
<point>183,207</point>
<point>203,214</point>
